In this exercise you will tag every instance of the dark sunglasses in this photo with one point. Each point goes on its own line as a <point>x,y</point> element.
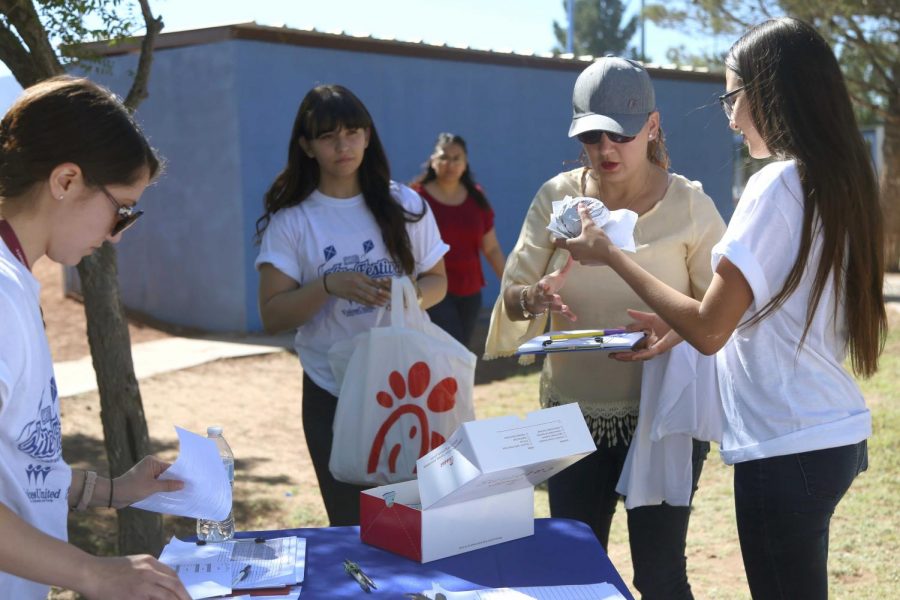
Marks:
<point>727,100</point>
<point>595,135</point>
<point>127,215</point>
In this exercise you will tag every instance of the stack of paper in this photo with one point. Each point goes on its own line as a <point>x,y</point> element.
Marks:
<point>206,493</point>
<point>217,569</point>
<point>565,222</point>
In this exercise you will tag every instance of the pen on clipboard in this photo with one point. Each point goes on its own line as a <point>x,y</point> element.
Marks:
<point>585,334</point>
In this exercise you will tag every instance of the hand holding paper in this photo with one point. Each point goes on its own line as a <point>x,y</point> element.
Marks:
<point>142,480</point>
<point>206,493</point>
<point>595,245</point>
<point>566,221</point>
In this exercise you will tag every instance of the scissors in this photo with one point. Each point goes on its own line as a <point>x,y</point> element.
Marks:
<point>365,582</point>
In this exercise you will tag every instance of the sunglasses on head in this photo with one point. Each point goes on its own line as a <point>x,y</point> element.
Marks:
<point>126,215</point>
<point>594,136</point>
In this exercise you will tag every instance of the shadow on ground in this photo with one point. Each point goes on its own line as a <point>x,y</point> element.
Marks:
<point>497,369</point>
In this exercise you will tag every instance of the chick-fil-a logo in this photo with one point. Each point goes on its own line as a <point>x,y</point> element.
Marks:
<point>441,398</point>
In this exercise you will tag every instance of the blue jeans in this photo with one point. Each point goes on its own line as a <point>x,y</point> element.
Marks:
<point>784,506</point>
<point>457,316</point>
<point>586,491</point>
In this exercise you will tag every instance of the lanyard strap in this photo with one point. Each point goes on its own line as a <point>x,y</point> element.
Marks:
<point>12,242</point>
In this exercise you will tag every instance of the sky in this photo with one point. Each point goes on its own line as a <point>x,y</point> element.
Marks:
<point>518,25</point>
<point>522,26</point>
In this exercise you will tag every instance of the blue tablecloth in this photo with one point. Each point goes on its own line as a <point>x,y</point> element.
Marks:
<point>560,552</point>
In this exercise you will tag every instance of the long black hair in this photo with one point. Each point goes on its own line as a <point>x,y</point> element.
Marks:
<point>800,106</point>
<point>324,109</point>
<point>467,179</point>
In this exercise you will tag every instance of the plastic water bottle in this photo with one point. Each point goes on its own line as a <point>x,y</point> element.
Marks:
<point>219,531</point>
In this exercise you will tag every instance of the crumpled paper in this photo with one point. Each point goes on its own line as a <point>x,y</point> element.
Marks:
<point>565,222</point>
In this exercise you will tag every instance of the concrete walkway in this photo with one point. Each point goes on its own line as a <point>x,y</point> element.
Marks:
<point>171,354</point>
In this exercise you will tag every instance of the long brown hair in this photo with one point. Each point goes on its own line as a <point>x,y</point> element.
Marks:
<point>69,119</point>
<point>324,109</point>
<point>800,106</point>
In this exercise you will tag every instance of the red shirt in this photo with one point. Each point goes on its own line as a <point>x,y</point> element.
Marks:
<point>463,228</point>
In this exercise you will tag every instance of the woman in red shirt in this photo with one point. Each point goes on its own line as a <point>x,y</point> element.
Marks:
<point>466,222</point>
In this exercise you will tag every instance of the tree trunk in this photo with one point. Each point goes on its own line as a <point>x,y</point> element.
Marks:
<point>890,186</point>
<point>121,410</point>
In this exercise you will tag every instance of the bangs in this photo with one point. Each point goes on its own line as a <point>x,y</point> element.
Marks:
<point>335,110</point>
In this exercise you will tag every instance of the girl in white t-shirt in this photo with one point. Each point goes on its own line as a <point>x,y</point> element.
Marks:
<point>336,229</point>
<point>73,164</point>
<point>797,287</point>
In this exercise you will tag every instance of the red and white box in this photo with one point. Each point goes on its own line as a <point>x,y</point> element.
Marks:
<point>477,488</point>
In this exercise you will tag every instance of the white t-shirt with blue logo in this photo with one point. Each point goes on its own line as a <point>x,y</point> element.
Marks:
<point>328,235</point>
<point>779,400</point>
<point>34,479</point>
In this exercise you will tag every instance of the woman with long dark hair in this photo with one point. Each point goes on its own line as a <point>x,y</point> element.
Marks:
<point>797,288</point>
<point>466,222</point>
<point>73,165</point>
<point>335,230</point>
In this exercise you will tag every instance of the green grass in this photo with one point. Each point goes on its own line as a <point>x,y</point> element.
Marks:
<point>864,543</point>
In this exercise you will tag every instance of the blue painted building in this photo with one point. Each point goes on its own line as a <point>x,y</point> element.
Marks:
<point>222,102</point>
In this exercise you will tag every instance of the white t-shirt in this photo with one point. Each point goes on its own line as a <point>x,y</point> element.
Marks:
<point>780,397</point>
<point>327,235</point>
<point>34,479</point>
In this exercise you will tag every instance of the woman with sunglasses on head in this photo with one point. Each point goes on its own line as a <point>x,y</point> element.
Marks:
<point>73,164</point>
<point>335,231</point>
<point>797,287</point>
<point>616,121</point>
<point>466,223</point>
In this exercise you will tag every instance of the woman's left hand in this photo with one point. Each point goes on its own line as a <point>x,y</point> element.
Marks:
<point>660,337</point>
<point>142,480</point>
<point>592,246</point>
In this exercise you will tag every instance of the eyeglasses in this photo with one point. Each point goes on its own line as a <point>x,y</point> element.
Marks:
<point>727,101</point>
<point>127,215</point>
<point>594,136</point>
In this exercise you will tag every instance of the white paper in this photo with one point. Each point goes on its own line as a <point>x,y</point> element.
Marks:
<point>565,222</point>
<point>204,570</point>
<point>273,563</point>
<point>215,569</point>
<point>596,591</point>
<point>206,493</point>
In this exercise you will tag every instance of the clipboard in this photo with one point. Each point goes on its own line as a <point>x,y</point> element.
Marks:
<point>609,340</point>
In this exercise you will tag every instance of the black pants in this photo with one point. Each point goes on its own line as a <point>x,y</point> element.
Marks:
<point>784,506</point>
<point>457,315</point>
<point>586,491</point>
<point>341,499</point>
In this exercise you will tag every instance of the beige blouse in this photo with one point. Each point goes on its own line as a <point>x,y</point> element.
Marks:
<point>673,240</point>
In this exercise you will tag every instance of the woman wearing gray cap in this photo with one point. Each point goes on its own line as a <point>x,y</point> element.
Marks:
<point>615,119</point>
<point>797,291</point>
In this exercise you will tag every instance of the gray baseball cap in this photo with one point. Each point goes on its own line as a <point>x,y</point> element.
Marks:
<point>613,94</point>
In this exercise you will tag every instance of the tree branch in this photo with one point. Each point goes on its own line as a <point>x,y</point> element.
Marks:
<point>23,16</point>
<point>878,59</point>
<point>138,90</point>
<point>16,57</point>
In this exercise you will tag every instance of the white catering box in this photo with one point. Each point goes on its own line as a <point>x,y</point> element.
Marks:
<point>477,488</point>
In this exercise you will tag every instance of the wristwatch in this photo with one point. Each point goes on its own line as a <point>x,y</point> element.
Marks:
<point>525,312</point>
